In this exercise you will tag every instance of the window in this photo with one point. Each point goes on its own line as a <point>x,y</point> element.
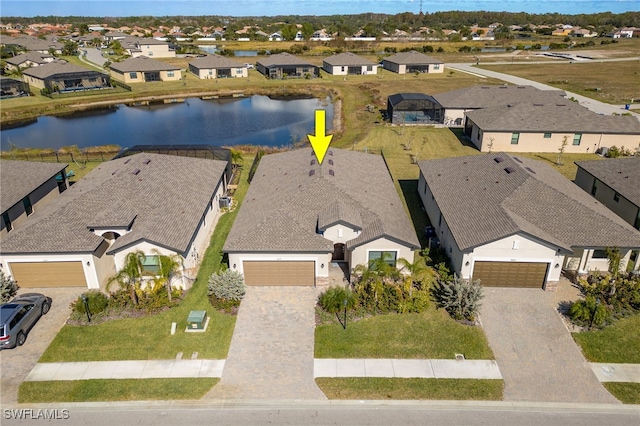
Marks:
<point>239,71</point>
<point>170,73</point>
<point>515,138</point>
<point>210,72</point>
<point>151,264</point>
<point>616,197</point>
<point>637,222</point>
<point>7,222</point>
<point>479,135</point>
<point>599,254</point>
<point>577,138</point>
<point>594,188</point>
<point>133,75</point>
<point>436,66</point>
<point>388,256</point>
<point>547,135</point>
<point>369,67</point>
<point>28,208</point>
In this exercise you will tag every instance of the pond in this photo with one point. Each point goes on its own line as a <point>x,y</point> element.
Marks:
<point>214,50</point>
<point>255,120</point>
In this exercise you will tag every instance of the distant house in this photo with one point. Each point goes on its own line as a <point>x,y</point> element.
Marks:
<point>537,127</point>
<point>285,65</point>
<point>143,69</point>
<point>64,77</point>
<point>216,66</point>
<point>35,44</point>
<point>413,108</point>
<point>516,222</point>
<point>154,203</point>
<point>277,36</point>
<point>615,182</point>
<point>26,188</point>
<point>149,47</point>
<point>28,60</point>
<point>411,62</point>
<point>349,64</point>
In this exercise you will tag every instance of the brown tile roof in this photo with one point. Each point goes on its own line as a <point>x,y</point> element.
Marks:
<point>215,61</point>
<point>481,202</point>
<point>290,197</point>
<point>169,194</point>
<point>620,174</point>
<point>20,178</point>
<point>551,117</point>
<point>412,58</point>
<point>141,64</point>
<point>347,58</point>
<point>476,97</point>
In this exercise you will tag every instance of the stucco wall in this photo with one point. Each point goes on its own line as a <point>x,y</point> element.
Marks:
<point>344,69</point>
<point>360,255</point>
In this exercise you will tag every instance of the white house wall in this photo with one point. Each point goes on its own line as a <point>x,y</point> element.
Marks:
<point>322,260</point>
<point>340,234</point>
<point>360,254</point>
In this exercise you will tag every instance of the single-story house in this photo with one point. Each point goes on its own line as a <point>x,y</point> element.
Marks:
<point>545,127</point>
<point>10,88</point>
<point>27,186</point>
<point>61,76</point>
<point>144,202</point>
<point>286,65</point>
<point>411,62</point>
<point>147,46</point>
<point>456,102</point>
<point>413,108</point>
<point>300,216</point>
<point>27,60</point>
<point>216,66</point>
<point>615,182</point>
<point>143,69</point>
<point>35,44</point>
<point>516,222</point>
<point>348,63</point>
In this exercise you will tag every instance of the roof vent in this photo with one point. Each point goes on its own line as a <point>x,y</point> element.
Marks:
<point>147,160</point>
<point>509,169</point>
<point>128,159</point>
<point>135,171</point>
<point>498,159</point>
<point>331,162</point>
<point>331,172</point>
<point>313,162</point>
<point>330,152</point>
<point>517,159</point>
<point>312,172</point>
<point>538,104</point>
<point>561,104</point>
<point>529,169</point>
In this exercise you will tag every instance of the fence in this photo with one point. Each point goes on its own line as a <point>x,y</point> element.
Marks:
<point>117,88</point>
<point>57,157</point>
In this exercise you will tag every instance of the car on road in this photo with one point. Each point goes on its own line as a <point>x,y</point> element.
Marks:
<point>19,316</point>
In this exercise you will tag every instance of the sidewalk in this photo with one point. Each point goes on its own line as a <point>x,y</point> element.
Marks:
<point>408,368</point>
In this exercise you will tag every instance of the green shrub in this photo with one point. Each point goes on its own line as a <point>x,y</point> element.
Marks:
<point>613,152</point>
<point>227,285</point>
<point>8,288</point>
<point>96,299</point>
<point>459,297</point>
<point>588,312</point>
<point>336,300</point>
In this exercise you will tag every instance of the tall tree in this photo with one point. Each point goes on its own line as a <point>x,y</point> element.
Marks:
<point>130,276</point>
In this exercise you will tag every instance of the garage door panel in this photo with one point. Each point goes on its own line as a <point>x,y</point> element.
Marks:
<point>511,274</point>
<point>279,273</point>
<point>48,274</point>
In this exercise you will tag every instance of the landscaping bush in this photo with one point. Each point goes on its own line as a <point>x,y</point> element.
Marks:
<point>336,300</point>
<point>8,288</point>
<point>227,285</point>
<point>459,297</point>
<point>96,299</point>
<point>589,312</point>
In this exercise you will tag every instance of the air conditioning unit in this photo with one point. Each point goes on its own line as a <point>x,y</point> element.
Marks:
<point>225,202</point>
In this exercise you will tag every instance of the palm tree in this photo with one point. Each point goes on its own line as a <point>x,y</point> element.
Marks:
<point>130,276</point>
<point>170,268</point>
<point>236,158</point>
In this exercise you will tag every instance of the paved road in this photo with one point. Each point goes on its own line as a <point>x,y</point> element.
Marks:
<point>17,363</point>
<point>538,358</point>
<point>94,56</point>
<point>592,104</point>
<point>271,353</point>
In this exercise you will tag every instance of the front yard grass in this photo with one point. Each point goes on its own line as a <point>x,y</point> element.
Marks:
<point>438,389</point>
<point>617,343</point>
<point>114,390</point>
<point>627,393</point>
<point>429,335</point>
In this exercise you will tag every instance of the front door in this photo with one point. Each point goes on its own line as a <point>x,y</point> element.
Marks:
<point>338,252</point>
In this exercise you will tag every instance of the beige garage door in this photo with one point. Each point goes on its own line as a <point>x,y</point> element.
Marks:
<point>510,274</point>
<point>279,273</point>
<point>48,274</point>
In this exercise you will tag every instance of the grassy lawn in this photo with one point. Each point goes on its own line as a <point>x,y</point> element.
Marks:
<point>430,335</point>
<point>618,343</point>
<point>438,389</point>
<point>149,337</point>
<point>114,390</point>
<point>627,393</point>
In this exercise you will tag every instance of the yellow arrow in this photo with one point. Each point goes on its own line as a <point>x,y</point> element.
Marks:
<point>320,142</point>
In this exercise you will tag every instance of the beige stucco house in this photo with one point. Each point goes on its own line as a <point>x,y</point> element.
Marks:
<point>147,46</point>
<point>544,127</point>
<point>411,62</point>
<point>299,217</point>
<point>144,202</point>
<point>63,77</point>
<point>511,221</point>
<point>28,60</point>
<point>143,69</point>
<point>348,63</point>
<point>216,66</point>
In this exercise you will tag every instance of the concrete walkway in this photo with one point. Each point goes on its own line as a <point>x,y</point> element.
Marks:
<point>408,368</point>
<point>271,353</point>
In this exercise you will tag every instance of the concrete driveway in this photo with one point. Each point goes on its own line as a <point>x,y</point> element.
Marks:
<point>537,356</point>
<point>15,364</point>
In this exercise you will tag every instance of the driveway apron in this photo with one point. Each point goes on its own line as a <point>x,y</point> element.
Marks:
<point>15,364</point>
<point>271,353</point>
<point>537,356</point>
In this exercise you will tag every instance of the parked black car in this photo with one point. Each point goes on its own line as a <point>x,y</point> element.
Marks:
<point>18,317</point>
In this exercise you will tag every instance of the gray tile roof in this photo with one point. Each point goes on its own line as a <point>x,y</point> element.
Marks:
<point>55,68</point>
<point>347,58</point>
<point>142,64</point>
<point>620,174</point>
<point>291,196</point>
<point>215,61</point>
<point>551,117</point>
<point>399,97</point>
<point>168,197</point>
<point>282,59</point>
<point>20,178</point>
<point>37,57</point>
<point>412,58</point>
<point>476,97</point>
<point>32,43</point>
<point>481,203</point>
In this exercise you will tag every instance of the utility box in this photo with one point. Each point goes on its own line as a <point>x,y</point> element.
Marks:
<point>196,320</point>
